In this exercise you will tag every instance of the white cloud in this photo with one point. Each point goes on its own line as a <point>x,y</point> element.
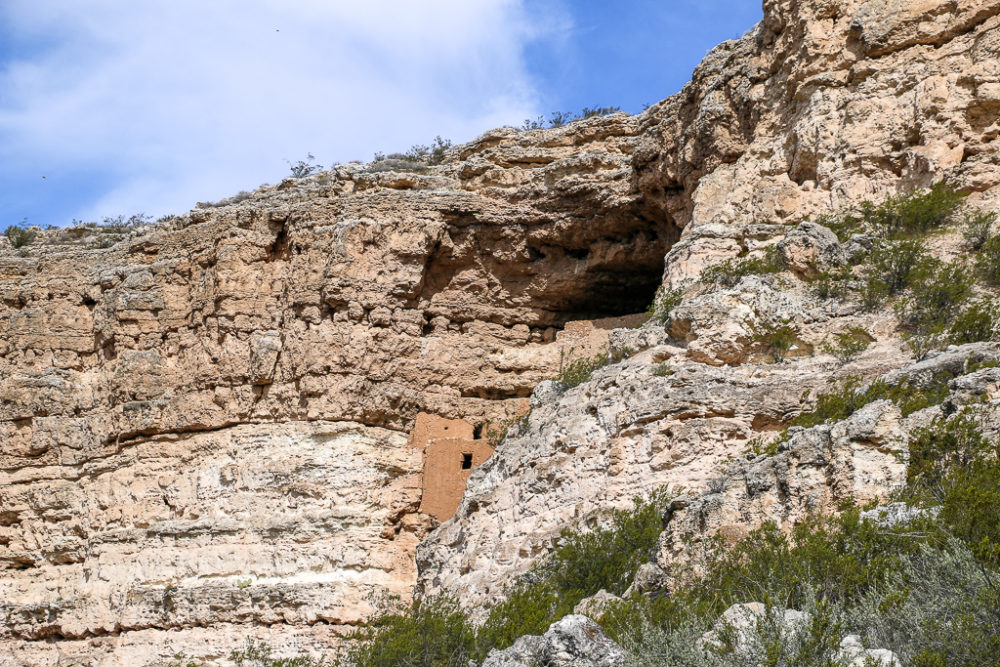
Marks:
<point>186,100</point>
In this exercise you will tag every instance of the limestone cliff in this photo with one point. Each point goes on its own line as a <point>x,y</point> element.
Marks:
<point>206,428</point>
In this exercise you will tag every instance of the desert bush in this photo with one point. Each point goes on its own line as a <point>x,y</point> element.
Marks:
<point>561,118</point>
<point>898,216</point>
<point>19,236</point>
<point>578,371</point>
<point>833,284</point>
<point>976,228</point>
<point>432,633</point>
<point>854,395</point>
<point>988,262</point>
<point>914,214</point>
<point>438,148</point>
<point>662,371</point>
<point>895,267</point>
<point>936,299</point>
<point>664,303</point>
<point>940,607</point>
<point>763,446</point>
<point>537,123</point>
<point>980,321</point>
<point>303,168</point>
<point>775,340</point>
<point>846,346</point>
<point>591,112</point>
<point>955,466</point>
<point>729,272</point>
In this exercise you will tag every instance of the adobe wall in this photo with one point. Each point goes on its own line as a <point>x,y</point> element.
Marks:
<point>448,446</point>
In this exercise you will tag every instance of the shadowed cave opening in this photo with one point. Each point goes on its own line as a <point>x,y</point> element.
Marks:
<point>547,275</point>
<point>612,275</point>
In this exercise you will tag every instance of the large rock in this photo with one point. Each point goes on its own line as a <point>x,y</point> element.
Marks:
<point>573,641</point>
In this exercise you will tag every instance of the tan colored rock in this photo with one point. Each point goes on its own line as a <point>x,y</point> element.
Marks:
<point>322,315</point>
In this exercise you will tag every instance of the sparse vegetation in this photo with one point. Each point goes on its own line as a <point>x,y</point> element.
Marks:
<point>664,303</point>
<point>988,262</point>
<point>418,158</point>
<point>854,395</point>
<point>846,346</point>
<point>834,284</point>
<point>763,446</point>
<point>775,340</point>
<point>303,168</point>
<point>729,272</point>
<point>977,227</point>
<point>561,118</point>
<point>662,371</point>
<point>900,216</point>
<point>578,371</point>
<point>895,267</point>
<point>19,236</point>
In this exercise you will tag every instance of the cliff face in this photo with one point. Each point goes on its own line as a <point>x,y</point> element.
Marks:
<point>821,105</point>
<point>205,428</point>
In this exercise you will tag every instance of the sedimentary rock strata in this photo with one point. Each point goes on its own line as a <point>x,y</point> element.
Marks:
<point>207,429</point>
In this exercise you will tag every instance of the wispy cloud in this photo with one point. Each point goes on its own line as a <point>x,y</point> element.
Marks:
<point>157,104</point>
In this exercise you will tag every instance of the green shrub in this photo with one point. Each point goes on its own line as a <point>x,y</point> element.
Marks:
<point>662,371</point>
<point>898,216</point>
<point>303,168</point>
<point>988,262</point>
<point>895,267</point>
<point>848,345</point>
<point>852,396</point>
<point>939,608</point>
<point>833,284</point>
<point>591,112</point>
<point>258,654</point>
<point>19,236</point>
<point>977,227</point>
<point>664,303</point>
<point>432,633</point>
<point>437,150</point>
<point>580,370</point>
<point>936,300</point>
<point>980,321</point>
<point>914,214</point>
<point>761,446</point>
<point>775,340</point>
<point>731,271</point>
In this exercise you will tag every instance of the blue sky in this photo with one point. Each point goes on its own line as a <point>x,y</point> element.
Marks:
<point>110,107</point>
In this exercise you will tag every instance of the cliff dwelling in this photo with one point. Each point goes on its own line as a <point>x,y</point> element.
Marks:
<point>451,452</point>
<point>453,448</point>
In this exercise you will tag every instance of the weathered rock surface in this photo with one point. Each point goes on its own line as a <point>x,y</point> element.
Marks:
<point>861,458</point>
<point>225,398</point>
<point>573,641</point>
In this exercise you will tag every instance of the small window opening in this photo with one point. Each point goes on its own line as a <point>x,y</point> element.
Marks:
<point>466,461</point>
<point>477,432</point>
